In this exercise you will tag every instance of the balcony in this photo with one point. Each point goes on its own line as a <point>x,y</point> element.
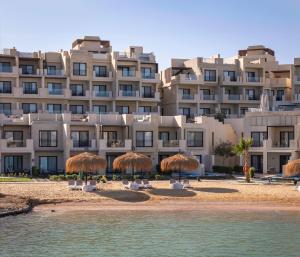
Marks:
<point>30,73</point>
<point>128,94</point>
<point>102,94</point>
<point>16,146</point>
<point>100,56</point>
<point>276,145</point>
<point>150,78</point>
<point>253,80</point>
<point>54,93</point>
<point>171,145</point>
<point>107,77</point>
<point>54,73</point>
<point>188,78</point>
<point>84,145</point>
<point>153,96</point>
<point>208,98</point>
<point>9,71</point>
<point>251,98</point>
<point>232,97</point>
<point>115,145</point>
<point>297,98</point>
<point>297,79</point>
<point>131,75</point>
<point>190,98</point>
<point>227,80</point>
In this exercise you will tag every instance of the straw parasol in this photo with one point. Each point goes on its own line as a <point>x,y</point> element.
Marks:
<point>134,161</point>
<point>86,163</point>
<point>292,168</point>
<point>179,162</point>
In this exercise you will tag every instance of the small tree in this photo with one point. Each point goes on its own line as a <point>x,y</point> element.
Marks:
<point>224,149</point>
<point>242,148</point>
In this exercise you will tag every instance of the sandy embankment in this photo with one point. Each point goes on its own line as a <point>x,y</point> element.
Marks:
<point>204,195</point>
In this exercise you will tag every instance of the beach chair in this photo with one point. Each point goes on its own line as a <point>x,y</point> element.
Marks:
<point>172,181</point>
<point>92,184</point>
<point>78,184</point>
<point>125,183</point>
<point>139,183</point>
<point>186,183</point>
<point>134,186</point>
<point>176,185</point>
<point>71,184</point>
<point>146,183</point>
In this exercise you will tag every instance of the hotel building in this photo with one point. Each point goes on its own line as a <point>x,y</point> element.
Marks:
<point>54,105</point>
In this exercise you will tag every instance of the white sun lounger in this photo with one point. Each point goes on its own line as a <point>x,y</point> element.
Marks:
<point>78,184</point>
<point>186,183</point>
<point>139,183</point>
<point>146,183</point>
<point>134,186</point>
<point>176,185</point>
<point>71,184</point>
<point>125,184</point>
<point>92,184</point>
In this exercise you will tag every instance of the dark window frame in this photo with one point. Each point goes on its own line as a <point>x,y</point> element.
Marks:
<point>48,138</point>
<point>143,141</point>
<point>78,71</point>
<point>47,156</point>
<point>188,142</point>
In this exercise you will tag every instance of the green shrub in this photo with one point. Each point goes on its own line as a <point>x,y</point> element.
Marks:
<point>53,178</point>
<point>136,177</point>
<point>223,169</point>
<point>35,171</point>
<point>115,177</point>
<point>62,177</point>
<point>252,171</point>
<point>71,177</point>
<point>160,177</point>
<point>238,169</point>
<point>103,179</point>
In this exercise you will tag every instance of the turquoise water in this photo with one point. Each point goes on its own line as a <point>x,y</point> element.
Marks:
<point>128,233</point>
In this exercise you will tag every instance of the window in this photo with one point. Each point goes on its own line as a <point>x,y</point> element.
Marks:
<point>5,108</point>
<point>250,93</point>
<point>226,111</point>
<point>123,109</point>
<point>285,137</point>
<point>127,90</point>
<point>55,89</point>
<point>147,73</point>
<point>185,93</point>
<point>77,90</point>
<point>185,111</point>
<point>29,108</point>
<point>80,138</point>
<point>30,88</point>
<point>279,95</point>
<point>100,90</point>
<point>76,109</point>
<point>5,67</point>
<point>27,69</point>
<point>128,71</point>
<point>230,75</point>
<point>258,138</point>
<point>164,136</point>
<point>243,110</point>
<point>100,71</point>
<point>51,70</point>
<point>195,139</point>
<point>99,109</point>
<point>79,69</point>
<point>144,139</point>
<point>144,109</point>
<point>251,76</point>
<point>5,87</point>
<point>147,92</point>
<point>48,163</point>
<point>54,108</point>
<point>204,111</point>
<point>14,138</point>
<point>48,138</point>
<point>210,75</point>
<point>13,163</point>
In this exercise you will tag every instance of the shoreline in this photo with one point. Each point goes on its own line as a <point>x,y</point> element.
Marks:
<point>163,205</point>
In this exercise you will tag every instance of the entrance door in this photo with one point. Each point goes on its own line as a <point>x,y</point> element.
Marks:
<point>283,160</point>
<point>257,163</point>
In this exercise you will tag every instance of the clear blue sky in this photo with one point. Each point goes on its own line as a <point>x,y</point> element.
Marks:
<point>169,28</point>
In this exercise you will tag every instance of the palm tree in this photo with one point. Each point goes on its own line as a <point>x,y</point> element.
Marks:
<point>242,148</point>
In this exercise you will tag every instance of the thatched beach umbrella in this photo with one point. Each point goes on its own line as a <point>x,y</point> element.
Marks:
<point>86,163</point>
<point>133,161</point>
<point>292,168</point>
<point>179,162</point>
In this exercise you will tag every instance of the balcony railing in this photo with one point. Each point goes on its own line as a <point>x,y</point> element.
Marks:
<point>16,143</point>
<point>187,97</point>
<point>30,91</point>
<point>170,143</point>
<point>128,93</point>
<point>56,91</point>
<point>234,97</point>
<point>148,95</point>
<point>81,143</point>
<point>253,79</point>
<point>148,75</point>
<point>130,73</point>
<point>54,72</point>
<point>5,68</point>
<point>258,143</point>
<point>297,78</point>
<point>115,143</point>
<point>209,97</point>
<point>102,93</point>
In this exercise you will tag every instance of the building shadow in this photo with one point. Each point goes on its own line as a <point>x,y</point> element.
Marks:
<point>124,195</point>
<point>172,192</point>
<point>217,190</point>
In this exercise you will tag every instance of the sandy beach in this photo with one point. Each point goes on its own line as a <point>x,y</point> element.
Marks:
<point>225,194</point>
